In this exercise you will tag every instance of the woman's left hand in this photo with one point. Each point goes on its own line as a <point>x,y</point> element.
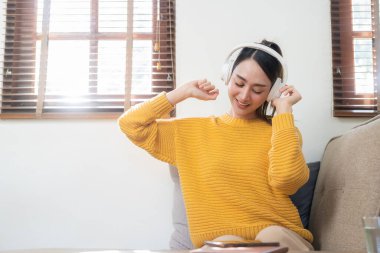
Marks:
<point>289,97</point>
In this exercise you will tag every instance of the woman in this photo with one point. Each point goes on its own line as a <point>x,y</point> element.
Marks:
<point>237,170</point>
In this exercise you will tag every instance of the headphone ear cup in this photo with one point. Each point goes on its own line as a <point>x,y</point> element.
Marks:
<point>225,70</point>
<point>228,65</point>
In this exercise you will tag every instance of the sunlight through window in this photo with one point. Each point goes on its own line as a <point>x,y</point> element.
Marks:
<point>361,15</point>
<point>113,16</point>
<point>111,68</point>
<point>68,68</point>
<point>363,60</point>
<point>142,69</point>
<point>85,57</point>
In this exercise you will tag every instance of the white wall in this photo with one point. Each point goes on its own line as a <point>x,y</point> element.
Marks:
<point>80,183</point>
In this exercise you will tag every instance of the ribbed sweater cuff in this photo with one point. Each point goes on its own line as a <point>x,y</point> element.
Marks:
<point>282,121</point>
<point>161,104</point>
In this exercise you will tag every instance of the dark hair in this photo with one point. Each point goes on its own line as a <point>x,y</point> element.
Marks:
<point>269,64</point>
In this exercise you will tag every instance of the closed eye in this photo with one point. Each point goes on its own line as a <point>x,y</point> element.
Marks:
<point>239,84</point>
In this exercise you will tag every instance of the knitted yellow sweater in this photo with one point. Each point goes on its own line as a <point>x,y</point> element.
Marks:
<point>236,175</point>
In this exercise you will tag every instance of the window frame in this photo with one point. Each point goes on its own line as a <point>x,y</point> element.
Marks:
<point>346,103</point>
<point>14,65</point>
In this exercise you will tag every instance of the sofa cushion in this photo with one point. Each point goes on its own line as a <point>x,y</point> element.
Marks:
<point>303,198</point>
<point>180,238</point>
<point>348,188</point>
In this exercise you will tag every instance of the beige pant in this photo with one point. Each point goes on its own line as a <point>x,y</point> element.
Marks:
<point>284,236</point>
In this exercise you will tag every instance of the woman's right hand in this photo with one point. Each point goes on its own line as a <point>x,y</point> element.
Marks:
<point>200,89</point>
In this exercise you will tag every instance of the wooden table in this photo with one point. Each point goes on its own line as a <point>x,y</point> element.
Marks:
<point>135,251</point>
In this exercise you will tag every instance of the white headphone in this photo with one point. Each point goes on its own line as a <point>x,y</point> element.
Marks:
<point>231,58</point>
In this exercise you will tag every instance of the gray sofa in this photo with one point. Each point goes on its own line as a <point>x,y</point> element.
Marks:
<point>347,188</point>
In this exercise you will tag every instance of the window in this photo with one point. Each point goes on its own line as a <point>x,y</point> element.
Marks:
<point>84,58</point>
<point>355,48</point>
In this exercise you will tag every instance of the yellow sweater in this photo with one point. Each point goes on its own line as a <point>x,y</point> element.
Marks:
<point>236,175</point>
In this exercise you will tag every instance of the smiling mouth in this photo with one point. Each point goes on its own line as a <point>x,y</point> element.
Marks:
<point>241,104</point>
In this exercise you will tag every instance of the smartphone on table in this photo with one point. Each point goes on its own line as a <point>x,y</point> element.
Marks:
<point>227,244</point>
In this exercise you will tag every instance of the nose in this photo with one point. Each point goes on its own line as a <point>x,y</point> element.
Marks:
<point>245,93</point>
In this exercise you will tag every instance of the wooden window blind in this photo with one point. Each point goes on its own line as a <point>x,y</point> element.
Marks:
<point>84,58</point>
<point>355,49</point>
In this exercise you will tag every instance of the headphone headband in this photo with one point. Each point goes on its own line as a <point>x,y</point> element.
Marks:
<point>260,47</point>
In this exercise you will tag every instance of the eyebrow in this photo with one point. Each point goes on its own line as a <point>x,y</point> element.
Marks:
<point>245,80</point>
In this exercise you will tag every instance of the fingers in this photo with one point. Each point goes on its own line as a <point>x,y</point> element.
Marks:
<point>289,90</point>
<point>286,90</point>
<point>202,81</point>
<point>208,90</point>
<point>214,94</point>
<point>205,85</point>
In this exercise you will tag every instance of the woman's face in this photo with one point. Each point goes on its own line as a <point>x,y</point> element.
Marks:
<point>248,89</point>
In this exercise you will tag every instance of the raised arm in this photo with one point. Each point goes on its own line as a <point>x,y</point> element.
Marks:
<point>287,167</point>
<point>144,124</point>
<point>200,89</point>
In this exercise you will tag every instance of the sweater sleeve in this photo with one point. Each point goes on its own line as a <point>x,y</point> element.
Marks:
<point>144,126</point>
<point>287,167</point>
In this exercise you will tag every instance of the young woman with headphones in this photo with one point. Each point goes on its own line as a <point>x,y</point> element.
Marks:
<point>237,170</point>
